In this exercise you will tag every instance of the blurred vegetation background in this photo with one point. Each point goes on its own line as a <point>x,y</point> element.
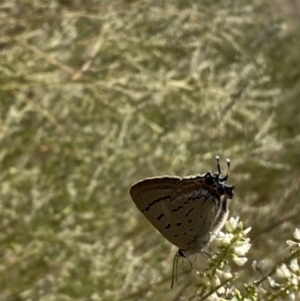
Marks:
<point>96,95</point>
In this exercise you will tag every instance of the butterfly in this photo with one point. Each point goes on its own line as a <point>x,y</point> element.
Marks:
<point>185,210</point>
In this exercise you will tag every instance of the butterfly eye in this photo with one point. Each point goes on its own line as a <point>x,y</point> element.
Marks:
<point>209,180</point>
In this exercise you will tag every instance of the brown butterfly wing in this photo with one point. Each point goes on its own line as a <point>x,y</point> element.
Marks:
<point>153,197</point>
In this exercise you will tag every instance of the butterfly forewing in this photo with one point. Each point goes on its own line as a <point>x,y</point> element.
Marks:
<point>150,192</point>
<point>152,196</point>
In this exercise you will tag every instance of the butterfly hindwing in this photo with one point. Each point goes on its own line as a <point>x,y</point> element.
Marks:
<point>194,209</point>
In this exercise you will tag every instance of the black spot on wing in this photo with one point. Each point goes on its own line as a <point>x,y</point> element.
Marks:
<point>190,211</point>
<point>156,201</point>
<point>160,216</point>
<point>178,208</point>
<point>192,199</point>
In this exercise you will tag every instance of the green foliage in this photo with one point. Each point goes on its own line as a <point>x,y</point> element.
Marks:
<point>95,95</point>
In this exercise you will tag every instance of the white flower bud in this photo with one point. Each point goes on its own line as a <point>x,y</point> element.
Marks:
<point>242,248</point>
<point>297,234</point>
<point>283,271</point>
<point>232,224</point>
<point>272,282</point>
<point>240,261</point>
<point>246,231</point>
<point>294,265</point>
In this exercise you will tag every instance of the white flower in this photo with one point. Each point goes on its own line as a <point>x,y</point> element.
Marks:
<point>221,239</point>
<point>294,281</point>
<point>227,238</point>
<point>224,274</point>
<point>213,297</point>
<point>221,290</point>
<point>241,248</point>
<point>215,281</point>
<point>257,266</point>
<point>240,261</point>
<point>240,225</point>
<point>292,296</point>
<point>283,271</point>
<point>246,231</point>
<point>294,265</point>
<point>296,234</point>
<point>227,275</point>
<point>292,243</point>
<point>272,282</point>
<point>232,224</point>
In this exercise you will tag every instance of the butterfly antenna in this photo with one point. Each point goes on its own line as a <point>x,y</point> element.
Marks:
<point>218,165</point>
<point>228,168</point>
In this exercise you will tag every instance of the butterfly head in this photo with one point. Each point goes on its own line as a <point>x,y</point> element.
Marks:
<point>217,183</point>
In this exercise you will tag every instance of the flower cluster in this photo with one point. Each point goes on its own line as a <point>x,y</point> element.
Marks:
<point>231,247</point>
<point>217,280</point>
<point>284,279</point>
